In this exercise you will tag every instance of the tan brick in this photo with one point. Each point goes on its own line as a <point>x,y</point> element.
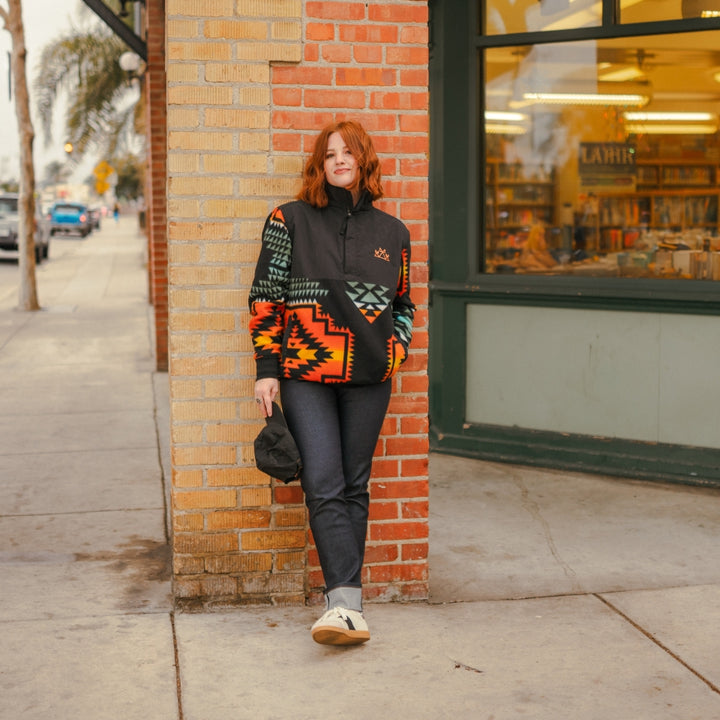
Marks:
<point>225,388</point>
<point>217,141</point>
<point>276,187</point>
<point>256,497</point>
<point>238,519</point>
<point>185,299</point>
<point>225,433</point>
<point>187,478</point>
<point>238,73</point>
<point>182,163</point>
<point>200,231</point>
<point>184,51</point>
<point>290,560</point>
<point>236,208</point>
<point>185,344</point>
<point>183,208</point>
<point>199,95</point>
<point>235,164</point>
<point>227,342</point>
<point>218,586</point>
<point>254,141</point>
<point>227,117</point>
<point>236,476</point>
<point>185,389</point>
<point>183,72</point>
<point>275,583</point>
<point>182,29</point>
<point>188,522</point>
<point>276,8</point>
<point>185,253</point>
<point>254,96</point>
<point>187,434</point>
<point>200,8</point>
<point>274,52</point>
<point>272,539</point>
<point>183,117</point>
<point>205,365</point>
<point>199,499</point>
<point>194,276</point>
<point>202,321</point>
<point>244,563</point>
<point>200,186</point>
<point>197,411</point>
<point>186,565</point>
<point>290,517</point>
<point>232,298</point>
<point>223,253</point>
<point>219,455</point>
<point>236,29</point>
<point>286,30</point>
<point>198,544</point>
<point>288,165</point>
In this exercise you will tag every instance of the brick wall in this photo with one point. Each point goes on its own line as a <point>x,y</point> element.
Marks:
<point>250,82</point>
<point>155,185</point>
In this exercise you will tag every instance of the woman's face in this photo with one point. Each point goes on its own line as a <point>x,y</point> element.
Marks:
<point>341,168</point>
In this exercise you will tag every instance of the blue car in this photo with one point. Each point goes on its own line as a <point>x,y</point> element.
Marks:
<point>70,217</point>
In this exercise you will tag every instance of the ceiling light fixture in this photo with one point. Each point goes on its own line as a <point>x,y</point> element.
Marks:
<point>670,116</point>
<point>604,99</point>
<point>700,8</point>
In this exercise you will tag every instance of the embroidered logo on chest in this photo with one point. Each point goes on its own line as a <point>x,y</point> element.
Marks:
<point>382,254</point>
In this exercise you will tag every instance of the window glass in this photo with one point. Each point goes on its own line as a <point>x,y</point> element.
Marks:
<point>602,158</point>
<point>513,16</point>
<point>632,11</point>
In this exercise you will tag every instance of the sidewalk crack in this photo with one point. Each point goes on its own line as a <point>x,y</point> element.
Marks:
<point>178,682</point>
<point>657,642</point>
<point>534,510</point>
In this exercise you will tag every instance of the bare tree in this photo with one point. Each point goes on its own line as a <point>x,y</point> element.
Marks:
<point>11,14</point>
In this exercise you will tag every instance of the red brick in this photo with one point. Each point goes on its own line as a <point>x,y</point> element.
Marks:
<point>287,142</point>
<point>414,34</point>
<point>289,495</point>
<point>383,511</point>
<point>334,99</point>
<point>414,468</point>
<point>299,120</point>
<point>400,489</point>
<point>312,52</point>
<point>415,551</point>
<point>291,97</point>
<point>368,53</point>
<point>415,123</point>
<point>416,509</point>
<point>419,78</point>
<point>414,211</point>
<point>366,76</point>
<point>414,167</point>
<point>413,425</point>
<point>398,573</point>
<point>398,531</point>
<point>399,100</point>
<point>395,55</point>
<point>384,468</point>
<point>382,34</point>
<point>407,446</point>
<point>304,76</point>
<point>336,53</point>
<point>415,383</point>
<point>381,553</point>
<point>320,31</point>
<point>397,13</point>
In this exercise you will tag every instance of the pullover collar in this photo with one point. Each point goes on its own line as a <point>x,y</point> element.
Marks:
<point>342,198</point>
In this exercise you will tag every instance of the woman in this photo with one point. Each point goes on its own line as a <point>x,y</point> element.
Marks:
<point>331,322</point>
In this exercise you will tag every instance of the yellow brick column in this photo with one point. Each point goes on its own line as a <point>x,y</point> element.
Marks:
<point>237,538</point>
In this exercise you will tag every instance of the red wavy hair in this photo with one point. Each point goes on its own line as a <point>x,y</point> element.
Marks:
<point>360,145</point>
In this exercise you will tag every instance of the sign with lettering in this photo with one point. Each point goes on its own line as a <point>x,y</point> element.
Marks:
<point>607,167</point>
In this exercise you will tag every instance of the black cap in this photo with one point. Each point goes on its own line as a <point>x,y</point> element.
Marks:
<point>275,450</point>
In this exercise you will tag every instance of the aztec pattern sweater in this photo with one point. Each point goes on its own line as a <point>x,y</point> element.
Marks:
<point>330,301</point>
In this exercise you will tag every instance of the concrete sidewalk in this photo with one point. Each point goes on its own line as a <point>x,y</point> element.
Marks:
<point>553,595</point>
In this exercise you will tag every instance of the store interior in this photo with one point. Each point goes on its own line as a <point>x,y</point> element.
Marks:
<point>602,157</point>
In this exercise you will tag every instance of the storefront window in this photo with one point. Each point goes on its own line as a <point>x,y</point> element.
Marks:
<point>502,17</point>
<point>602,158</point>
<point>637,11</point>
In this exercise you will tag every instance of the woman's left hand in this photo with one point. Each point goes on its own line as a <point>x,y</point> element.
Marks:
<point>266,389</point>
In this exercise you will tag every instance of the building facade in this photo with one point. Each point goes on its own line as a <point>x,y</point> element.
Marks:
<point>249,85</point>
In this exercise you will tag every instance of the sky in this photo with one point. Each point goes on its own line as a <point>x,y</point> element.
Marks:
<point>45,21</point>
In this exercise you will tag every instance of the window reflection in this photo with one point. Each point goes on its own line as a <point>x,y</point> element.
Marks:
<point>602,158</point>
<point>511,16</point>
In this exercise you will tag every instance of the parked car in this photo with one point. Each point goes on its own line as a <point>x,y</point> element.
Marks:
<point>70,217</point>
<point>9,227</point>
<point>95,217</point>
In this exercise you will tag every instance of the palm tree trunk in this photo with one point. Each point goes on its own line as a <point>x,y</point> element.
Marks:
<point>28,299</point>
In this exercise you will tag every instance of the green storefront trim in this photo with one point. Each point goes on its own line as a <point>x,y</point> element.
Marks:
<point>456,172</point>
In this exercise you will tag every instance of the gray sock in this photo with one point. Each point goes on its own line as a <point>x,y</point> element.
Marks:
<point>347,597</point>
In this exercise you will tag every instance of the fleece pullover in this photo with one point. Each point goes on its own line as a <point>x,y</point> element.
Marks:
<point>330,301</point>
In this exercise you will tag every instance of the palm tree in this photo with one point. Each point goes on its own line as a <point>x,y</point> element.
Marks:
<point>101,115</point>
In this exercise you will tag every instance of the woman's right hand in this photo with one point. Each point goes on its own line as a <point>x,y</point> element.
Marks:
<point>266,389</point>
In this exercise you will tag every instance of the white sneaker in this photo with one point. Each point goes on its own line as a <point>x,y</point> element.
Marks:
<point>339,626</point>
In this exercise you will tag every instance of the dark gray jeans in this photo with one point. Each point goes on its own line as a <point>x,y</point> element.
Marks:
<point>336,428</point>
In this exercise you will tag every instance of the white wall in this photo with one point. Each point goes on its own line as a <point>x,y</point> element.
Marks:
<point>631,375</point>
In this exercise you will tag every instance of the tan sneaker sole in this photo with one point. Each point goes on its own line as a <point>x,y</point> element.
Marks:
<point>330,635</point>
